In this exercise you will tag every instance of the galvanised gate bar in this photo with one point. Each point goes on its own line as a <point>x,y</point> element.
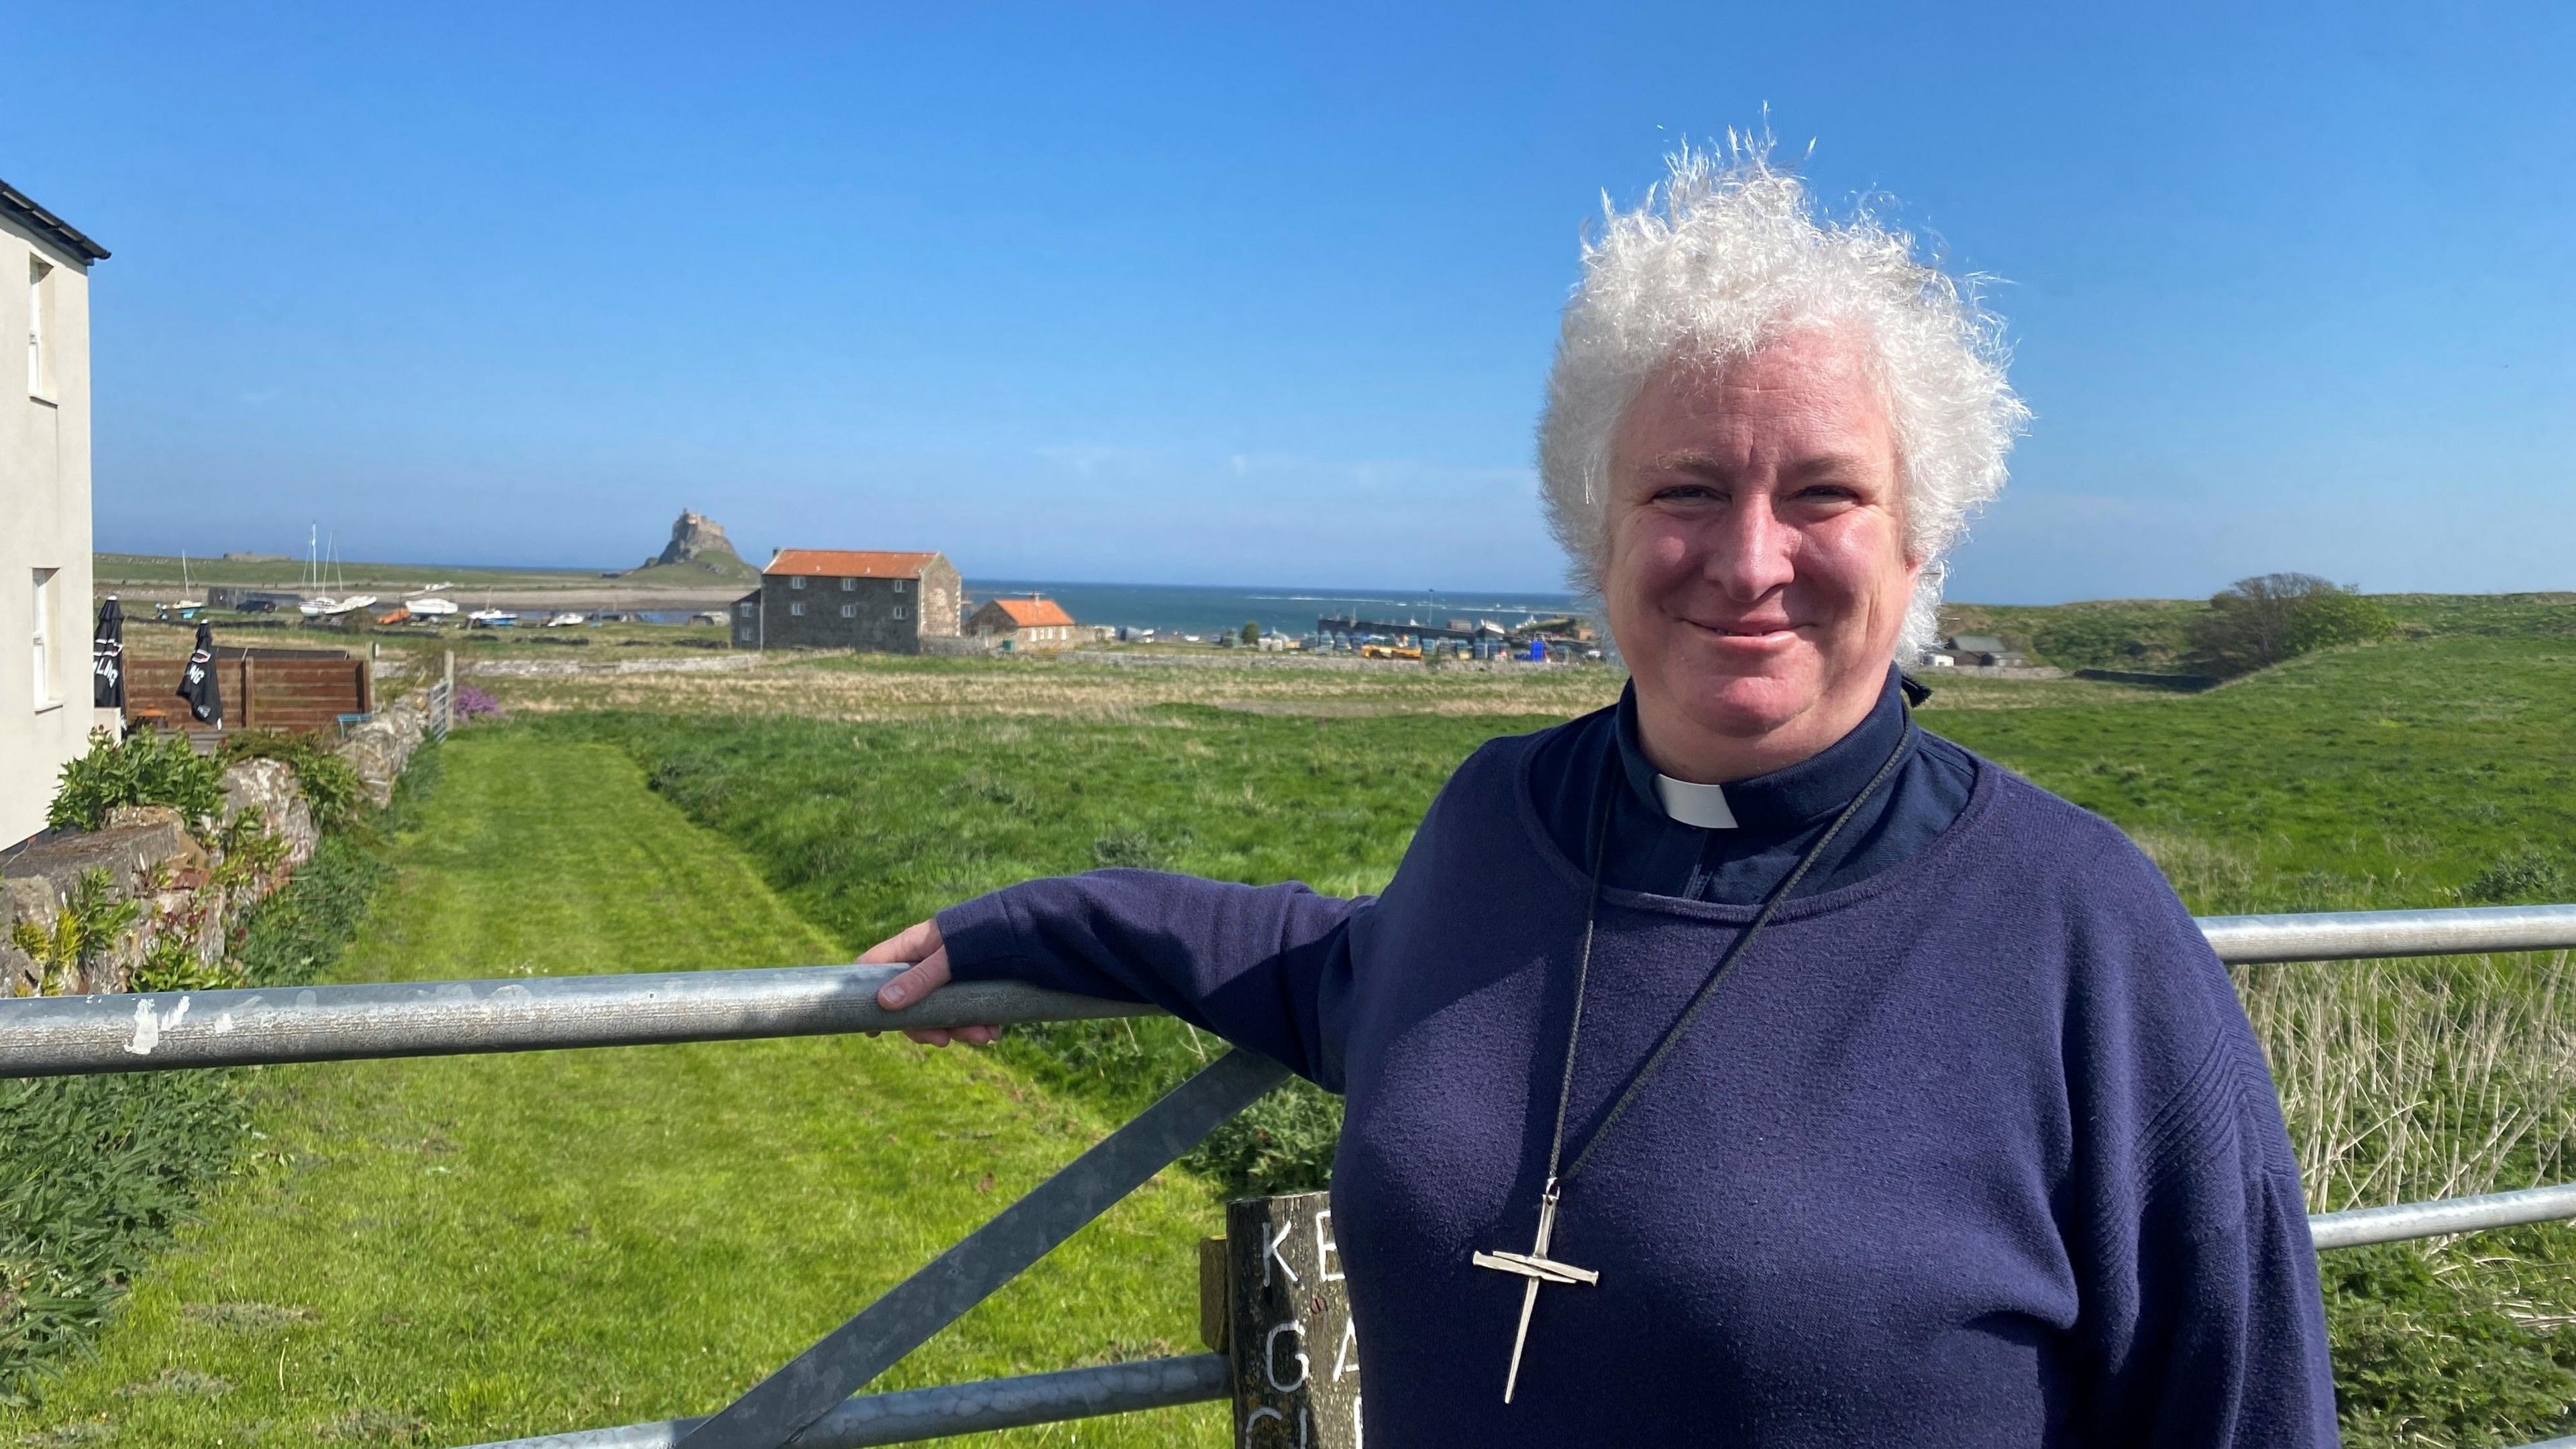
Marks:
<point>814,1402</point>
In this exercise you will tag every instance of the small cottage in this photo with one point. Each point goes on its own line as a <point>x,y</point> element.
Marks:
<point>1024,623</point>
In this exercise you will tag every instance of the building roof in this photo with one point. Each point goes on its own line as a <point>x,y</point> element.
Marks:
<point>1980,643</point>
<point>849,563</point>
<point>1026,612</point>
<point>22,209</point>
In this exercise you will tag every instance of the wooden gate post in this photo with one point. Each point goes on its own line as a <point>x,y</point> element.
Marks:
<point>1294,1354</point>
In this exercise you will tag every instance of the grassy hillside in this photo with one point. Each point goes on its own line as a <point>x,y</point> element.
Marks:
<point>453,1250</point>
<point>2385,775</point>
<point>705,571</point>
<point>2154,634</point>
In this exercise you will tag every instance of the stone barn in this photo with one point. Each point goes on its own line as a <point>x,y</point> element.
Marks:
<point>1025,623</point>
<point>825,598</point>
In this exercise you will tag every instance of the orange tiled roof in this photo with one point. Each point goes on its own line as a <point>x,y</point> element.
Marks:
<point>849,563</point>
<point>1025,612</point>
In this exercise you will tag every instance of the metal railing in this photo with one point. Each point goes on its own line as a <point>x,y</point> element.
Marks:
<point>810,1402</point>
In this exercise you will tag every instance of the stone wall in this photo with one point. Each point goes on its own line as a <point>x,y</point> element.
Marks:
<point>379,747</point>
<point>175,876</point>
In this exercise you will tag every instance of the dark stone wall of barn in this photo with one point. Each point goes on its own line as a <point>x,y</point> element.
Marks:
<point>928,605</point>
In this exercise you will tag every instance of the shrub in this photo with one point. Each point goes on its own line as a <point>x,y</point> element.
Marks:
<point>2524,875</point>
<point>2338,616</point>
<point>84,930</point>
<point>250,852</point>
<point>172,964</point>
<point>2258,622</point>
<point>331,788</point>
<point>470,704</point>
<point>145,768</point>
<point>1251,631</point>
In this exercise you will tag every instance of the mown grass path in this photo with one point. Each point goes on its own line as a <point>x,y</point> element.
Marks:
<point>444,1251</point>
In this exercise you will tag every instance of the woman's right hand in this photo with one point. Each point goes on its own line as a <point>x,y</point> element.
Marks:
<point>918,945</point>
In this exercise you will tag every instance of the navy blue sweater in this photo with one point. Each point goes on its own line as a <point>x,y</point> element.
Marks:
<point>1978,1149</point>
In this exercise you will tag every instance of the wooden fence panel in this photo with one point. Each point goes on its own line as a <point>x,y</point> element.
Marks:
<point>306,696</point>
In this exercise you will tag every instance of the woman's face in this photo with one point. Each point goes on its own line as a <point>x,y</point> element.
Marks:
<point>1756,572</point>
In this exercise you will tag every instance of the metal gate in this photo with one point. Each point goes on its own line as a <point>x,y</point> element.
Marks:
<point>813,1402</point>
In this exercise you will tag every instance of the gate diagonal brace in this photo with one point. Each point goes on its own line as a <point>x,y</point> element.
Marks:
<point>824,1376</point>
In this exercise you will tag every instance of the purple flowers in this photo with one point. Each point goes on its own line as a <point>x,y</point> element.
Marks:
<point>473,704</point>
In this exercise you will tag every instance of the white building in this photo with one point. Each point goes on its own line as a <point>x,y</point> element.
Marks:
<point>45,610</point>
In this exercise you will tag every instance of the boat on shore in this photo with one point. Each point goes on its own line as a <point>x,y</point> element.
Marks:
<point>491,619</point>
<point>327,606</point>
<point>565,620</point>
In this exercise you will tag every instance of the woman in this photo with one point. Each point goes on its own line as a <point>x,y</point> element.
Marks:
<point>1844,1087</point>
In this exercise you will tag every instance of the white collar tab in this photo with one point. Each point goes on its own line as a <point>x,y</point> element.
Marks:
<point>1700,805</point>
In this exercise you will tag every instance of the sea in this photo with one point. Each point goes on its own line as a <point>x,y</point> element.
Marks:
<point>1206,609</point>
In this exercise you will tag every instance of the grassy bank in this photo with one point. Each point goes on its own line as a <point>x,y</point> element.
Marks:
<point>97,1174</point>
<point>866,827</point>
<point>448,1251</point>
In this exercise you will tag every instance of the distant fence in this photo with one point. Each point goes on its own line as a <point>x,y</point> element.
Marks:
<point>809,1402</point>
<point>298,691</point>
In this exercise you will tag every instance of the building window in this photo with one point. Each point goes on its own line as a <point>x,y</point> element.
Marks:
<point>898,586</point>
<point>746,609</point>
<point>40,329</point>
<point>849,611</point>
<point>46,695</point>
<point>797,582</point>
<point>898,611</point>
<point>797,608</point>
<point>848,584</point>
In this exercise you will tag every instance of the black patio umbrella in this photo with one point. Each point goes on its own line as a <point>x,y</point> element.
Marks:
<point>197,682</point>
<point>107,657</point>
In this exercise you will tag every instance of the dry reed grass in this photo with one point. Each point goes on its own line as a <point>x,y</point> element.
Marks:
<point>843,688</point>
<point>2405,1081</point>
<point>873,690</point>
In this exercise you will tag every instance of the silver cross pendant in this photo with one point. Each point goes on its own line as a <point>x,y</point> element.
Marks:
<point>1537,1267</point>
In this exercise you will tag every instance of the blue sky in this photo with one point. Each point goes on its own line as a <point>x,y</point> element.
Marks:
<point>1204,294</point>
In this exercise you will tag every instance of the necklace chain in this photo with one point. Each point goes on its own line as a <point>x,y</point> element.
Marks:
<point>1654,1062</point>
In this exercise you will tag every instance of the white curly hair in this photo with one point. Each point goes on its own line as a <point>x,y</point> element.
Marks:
<point>1725,255</point>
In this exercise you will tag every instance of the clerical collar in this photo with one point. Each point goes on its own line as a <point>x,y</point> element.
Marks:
<point>1785,799</point>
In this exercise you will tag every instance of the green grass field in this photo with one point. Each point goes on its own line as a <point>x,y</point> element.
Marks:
<point>108,569</point>
<point>446,1251</point>
<point>2154,634</point>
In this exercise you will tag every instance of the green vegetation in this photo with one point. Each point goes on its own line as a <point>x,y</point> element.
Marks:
<point>2259,622</point>
<point>97,1174</point>
<point>867,828</point>
<point>2155,635</point>
<point>84,930</point>
<point>332,790</point>
<point>445,1251</point>
<point>142,769</point>
<point>109,570</point>
<point>2378,776</point>
<point>707,570</point>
